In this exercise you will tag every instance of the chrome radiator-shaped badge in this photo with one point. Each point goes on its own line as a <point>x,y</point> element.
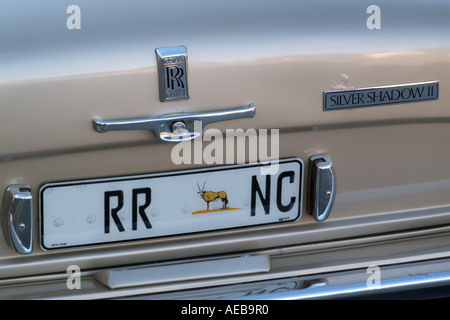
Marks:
<point>172,70</point>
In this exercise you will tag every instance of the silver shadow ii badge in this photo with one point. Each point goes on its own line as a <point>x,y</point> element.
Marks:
<point>377,96</point>
<point>172,70</point>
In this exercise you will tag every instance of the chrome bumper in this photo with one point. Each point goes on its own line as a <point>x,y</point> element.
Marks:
<point>396,282</point>
<point>349,269</point>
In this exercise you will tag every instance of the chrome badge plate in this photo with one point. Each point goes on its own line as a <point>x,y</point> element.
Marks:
<point>377,96</point>
<point>172,70</point>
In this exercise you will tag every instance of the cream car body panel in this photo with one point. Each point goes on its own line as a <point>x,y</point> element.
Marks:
<point>390,161</point>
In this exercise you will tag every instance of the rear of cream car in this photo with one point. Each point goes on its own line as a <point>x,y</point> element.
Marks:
<point>67,67</point>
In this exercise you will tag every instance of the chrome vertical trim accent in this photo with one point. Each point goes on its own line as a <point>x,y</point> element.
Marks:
<point>322,186</point>
<point>17,216</point>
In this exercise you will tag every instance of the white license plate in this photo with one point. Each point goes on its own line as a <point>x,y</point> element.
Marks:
<point>156,205</point>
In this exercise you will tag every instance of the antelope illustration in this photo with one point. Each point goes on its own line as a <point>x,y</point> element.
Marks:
<point>210,196</point>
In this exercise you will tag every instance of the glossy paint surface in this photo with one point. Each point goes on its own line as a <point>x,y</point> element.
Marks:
<point>390,161</point>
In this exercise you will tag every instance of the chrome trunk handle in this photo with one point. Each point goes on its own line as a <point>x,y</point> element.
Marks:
<point>176,127</point>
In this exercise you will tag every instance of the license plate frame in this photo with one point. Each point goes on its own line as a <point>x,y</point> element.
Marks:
<point>62,215</point>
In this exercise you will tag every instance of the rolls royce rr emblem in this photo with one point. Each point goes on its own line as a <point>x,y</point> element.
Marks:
<point>376,96</point>
<point>172,70</point>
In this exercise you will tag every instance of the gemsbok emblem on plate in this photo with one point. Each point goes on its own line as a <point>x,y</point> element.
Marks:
<point>213,196</point>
